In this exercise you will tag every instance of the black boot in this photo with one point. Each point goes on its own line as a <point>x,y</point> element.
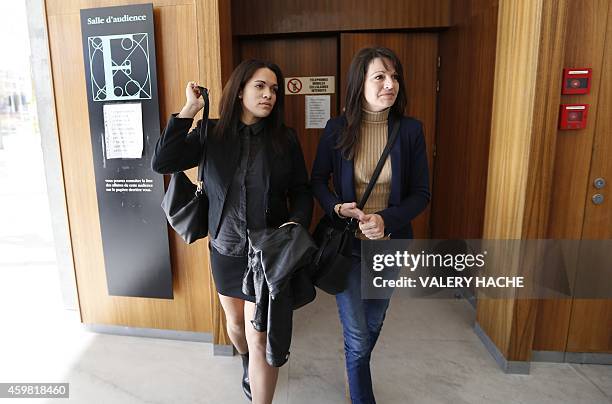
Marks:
<point>246,384</point>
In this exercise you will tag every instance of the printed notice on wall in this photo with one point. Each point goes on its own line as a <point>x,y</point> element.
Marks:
<point>317,111</point>
<point>123,134</point>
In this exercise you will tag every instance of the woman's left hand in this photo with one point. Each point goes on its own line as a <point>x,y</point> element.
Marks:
<point>285,224</point>
<point>372,226</point>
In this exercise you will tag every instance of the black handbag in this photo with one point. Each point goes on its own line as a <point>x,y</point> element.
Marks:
<point>334,237</point>
<point>186,203</point>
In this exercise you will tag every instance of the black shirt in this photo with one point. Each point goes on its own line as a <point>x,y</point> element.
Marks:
<point>245,203</point>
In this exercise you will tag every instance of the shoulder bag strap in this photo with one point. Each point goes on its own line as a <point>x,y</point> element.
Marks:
<point>381,163</point>
<point>203,137</point>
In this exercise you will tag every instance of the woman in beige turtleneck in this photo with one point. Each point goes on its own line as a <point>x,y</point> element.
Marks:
<point>349,151</point>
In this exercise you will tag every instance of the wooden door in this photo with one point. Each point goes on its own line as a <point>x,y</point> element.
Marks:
<point>590,327</point>
<point>318,56</point>
<point>578,325</point>
<point>418,53</point>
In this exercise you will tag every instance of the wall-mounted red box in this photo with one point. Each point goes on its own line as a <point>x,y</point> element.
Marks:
<point>576,81</point>
<point>573,116</point>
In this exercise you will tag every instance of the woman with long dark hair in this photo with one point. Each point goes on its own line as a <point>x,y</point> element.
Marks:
<point>255,177</point>
<point>348,151</point>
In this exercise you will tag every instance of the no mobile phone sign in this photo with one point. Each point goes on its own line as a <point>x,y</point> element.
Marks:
<point>310,85</point>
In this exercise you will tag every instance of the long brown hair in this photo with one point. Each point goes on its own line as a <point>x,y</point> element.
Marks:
<point>231,106</point>
<point>354,95</point>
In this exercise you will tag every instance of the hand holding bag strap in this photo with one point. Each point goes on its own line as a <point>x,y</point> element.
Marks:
<point>381,163</point>
<point>185,204</point>
<point>203,135</point>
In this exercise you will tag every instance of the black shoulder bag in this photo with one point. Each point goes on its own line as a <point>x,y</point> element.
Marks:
<point>332,262</point>
<point>186,203</point>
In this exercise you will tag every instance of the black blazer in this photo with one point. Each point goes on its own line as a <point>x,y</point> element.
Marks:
<point>287,191</point>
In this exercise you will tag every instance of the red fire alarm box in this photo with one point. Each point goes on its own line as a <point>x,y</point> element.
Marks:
<point>573,116</point>
<point>576,81</point>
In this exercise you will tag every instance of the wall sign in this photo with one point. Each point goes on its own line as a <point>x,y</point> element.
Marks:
<point>310,85</point>
<point>121,80</point>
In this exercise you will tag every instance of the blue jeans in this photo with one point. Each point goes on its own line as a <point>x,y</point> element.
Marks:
<point>362,320</point>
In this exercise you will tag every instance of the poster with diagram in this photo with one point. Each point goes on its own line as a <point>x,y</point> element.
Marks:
<point>122,99</point>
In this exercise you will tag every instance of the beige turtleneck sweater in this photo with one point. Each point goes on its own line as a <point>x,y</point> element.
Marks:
<point>371,143</point>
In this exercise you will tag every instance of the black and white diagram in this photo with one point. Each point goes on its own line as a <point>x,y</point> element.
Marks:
<point>119,67</point>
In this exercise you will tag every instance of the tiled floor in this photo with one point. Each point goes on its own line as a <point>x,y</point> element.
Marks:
<point>427,353</point>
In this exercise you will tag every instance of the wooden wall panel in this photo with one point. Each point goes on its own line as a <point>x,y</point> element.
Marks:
<point>214,35</point>
<point>57,7</point>
<point>509,323</point>
<point>512,117</point>
<point>550,331</point>
<point>418,53</point>
<point>464,120</point>
<point>590,326</point>
<point>551,327</point>
<point>299,57</point>
<point>228,45</point>
<point>525,183</point>
<point>291,16</point>
<point>177,63</point>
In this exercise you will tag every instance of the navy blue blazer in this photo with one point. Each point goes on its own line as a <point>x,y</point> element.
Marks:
<point>409,175</point>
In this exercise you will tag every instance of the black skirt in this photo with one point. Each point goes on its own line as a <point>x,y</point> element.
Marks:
<point>227,273</point>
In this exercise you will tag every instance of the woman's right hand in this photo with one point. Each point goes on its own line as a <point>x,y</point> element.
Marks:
<point>194,101</point>
<point>350,209</point>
